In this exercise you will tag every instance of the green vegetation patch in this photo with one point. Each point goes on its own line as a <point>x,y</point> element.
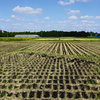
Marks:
<point>17,38</point>
<point>0,71</point>
<point>3,94</point>
<point>10,87</point>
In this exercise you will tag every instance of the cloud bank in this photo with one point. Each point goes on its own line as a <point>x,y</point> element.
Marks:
<point>70,2</point>
<point>27,10</point>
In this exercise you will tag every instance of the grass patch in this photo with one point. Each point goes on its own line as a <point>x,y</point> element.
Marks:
<point>10,87</point>
<point>49,39</point>
<point>30,86</point>
<point>3,94</point>
<point>68,39</point>
<point>0,71</point>
<point>17,38</point>
<point>4,81</point>
<point>98,96</point>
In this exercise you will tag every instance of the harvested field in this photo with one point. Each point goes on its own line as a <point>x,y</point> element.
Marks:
<point>69,48</point>
<point>68,39</point>
<point>28,75</point>
<point>9,46</point>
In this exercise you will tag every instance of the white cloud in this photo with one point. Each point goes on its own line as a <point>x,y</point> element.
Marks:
<point>86,17</point>
<point>66,3</point>
<point>92,22</point>
<point>72,17</point>
<point>74,12</point>
<point>70,2</point>
<point>17,18</point>
<point>31,24</point>
<point>48,25</point>
<point>1,19</point>
<point>90,17</point>
<point>37,21</point>
<point>74,22</point>
<point>46,18</point>
<point>13,16</point>
<point>27,10</point>
<point>86,21</point>
<point>89,24</point>
<point>62,22</point>
<point>97,17</point>
<point>8,20</point>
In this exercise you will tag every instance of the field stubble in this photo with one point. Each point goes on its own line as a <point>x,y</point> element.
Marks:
<point>44,76</point>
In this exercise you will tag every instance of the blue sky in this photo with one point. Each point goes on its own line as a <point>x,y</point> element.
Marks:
<point>47,15</point>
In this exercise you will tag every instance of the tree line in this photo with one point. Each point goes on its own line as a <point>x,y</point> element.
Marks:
<point>52,33</point>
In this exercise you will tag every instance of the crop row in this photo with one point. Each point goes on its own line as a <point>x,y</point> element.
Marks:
<point>32,75</point>
<point>69,48</point>
<point>65,48</point>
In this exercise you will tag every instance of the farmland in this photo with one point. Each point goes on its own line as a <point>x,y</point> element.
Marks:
<point>50,70</point>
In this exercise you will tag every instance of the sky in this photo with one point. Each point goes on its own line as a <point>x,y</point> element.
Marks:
<point>47,15</point>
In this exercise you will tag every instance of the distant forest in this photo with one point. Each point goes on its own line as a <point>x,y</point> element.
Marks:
<point>52,33</point>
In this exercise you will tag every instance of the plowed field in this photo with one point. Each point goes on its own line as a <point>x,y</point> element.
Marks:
<point>70,48</point>
<point>28,75</point>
